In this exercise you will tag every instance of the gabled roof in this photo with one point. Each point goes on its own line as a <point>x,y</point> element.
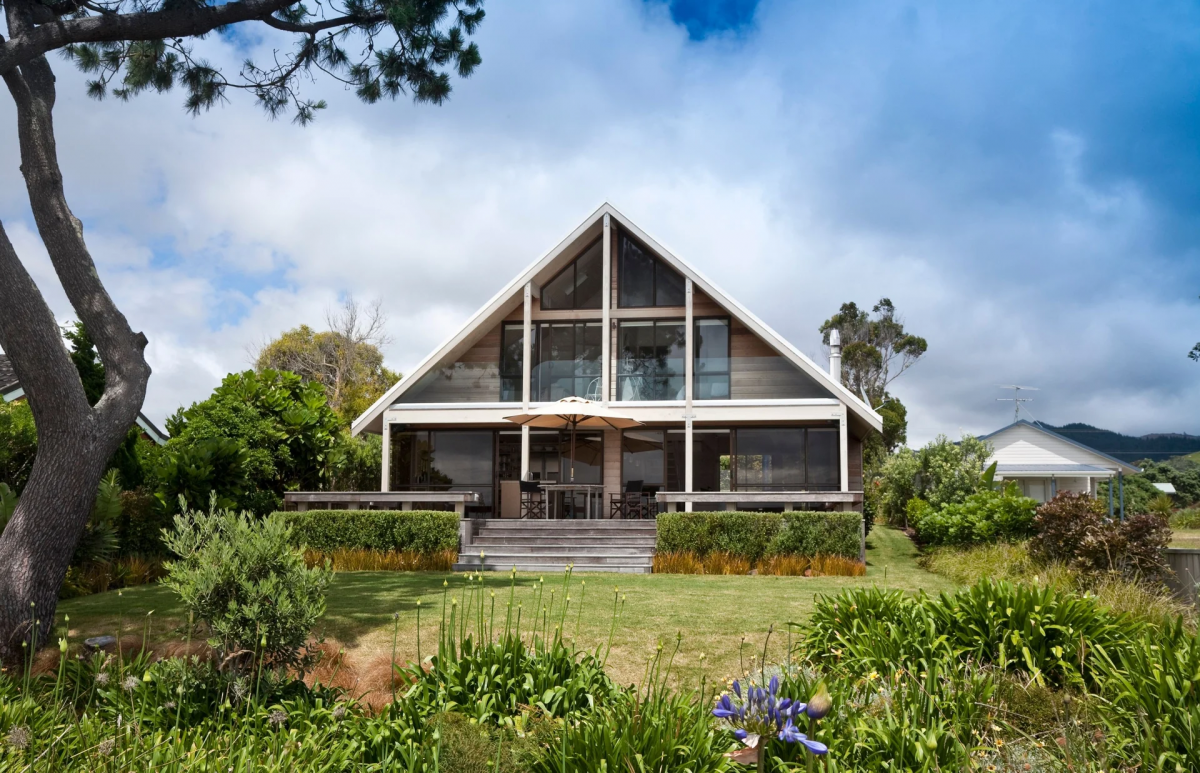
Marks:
<point>511,296</point>
<point>1122,466</point>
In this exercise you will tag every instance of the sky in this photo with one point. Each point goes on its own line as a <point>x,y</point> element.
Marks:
<point>1021,179</point>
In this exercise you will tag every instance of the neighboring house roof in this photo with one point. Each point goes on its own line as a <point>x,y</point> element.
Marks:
<point>1165,488</point>
<point>1030,445</point>
<point>10,389</point>
<point>509,298</point>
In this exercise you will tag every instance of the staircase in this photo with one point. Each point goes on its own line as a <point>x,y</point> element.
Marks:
<point>548,546</point>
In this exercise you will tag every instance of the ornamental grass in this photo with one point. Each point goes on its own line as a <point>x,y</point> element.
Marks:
<point>362,560</point>
<point>719,563</point>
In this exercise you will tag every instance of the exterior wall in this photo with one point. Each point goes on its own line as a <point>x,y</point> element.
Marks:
<point>1041,488</point>
<point>757,372</point>
<point>1025,445</point>
<point>474,377</point>
<point>854,448</point>
<point>612,466</point>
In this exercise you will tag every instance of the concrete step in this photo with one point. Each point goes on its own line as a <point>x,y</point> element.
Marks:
<point>553,556</point>
<point>555,568</point>
<point>558,550</point>
<point>526,539</point>
<point>567,532</point>
<point>567,523</point>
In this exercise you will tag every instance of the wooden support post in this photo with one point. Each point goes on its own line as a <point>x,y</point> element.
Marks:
<point>385,477</point>
<point>844,450</point>
<point>606,304</point>
<point>526,375</point>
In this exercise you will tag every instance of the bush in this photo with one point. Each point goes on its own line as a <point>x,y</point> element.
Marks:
<point>985,516</point>
<point>1073,529</point>
<point>420,531</point>
<point>941,473</point>
<point>241,578</point>
<point>755,535</point>
<point>141,524</point>
<point>1186,519</point>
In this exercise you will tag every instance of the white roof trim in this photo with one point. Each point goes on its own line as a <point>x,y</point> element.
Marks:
<point>513,288</point>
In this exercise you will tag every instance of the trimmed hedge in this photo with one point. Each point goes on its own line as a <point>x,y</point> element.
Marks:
<point>422,531</point>
<point>755,535</point>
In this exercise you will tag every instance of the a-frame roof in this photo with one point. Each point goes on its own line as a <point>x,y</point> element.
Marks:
<point>1123,466</point>
<point>546,266</point>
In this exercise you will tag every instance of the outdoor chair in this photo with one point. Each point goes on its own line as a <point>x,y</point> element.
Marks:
<point>533,500</point>
<point>628,503</point>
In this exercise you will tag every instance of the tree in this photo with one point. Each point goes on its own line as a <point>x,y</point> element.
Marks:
<point>380,48</point>
<point>875,352</point>
<point>277,432</point>
<point>1195,353</point>
<point>344,359</point>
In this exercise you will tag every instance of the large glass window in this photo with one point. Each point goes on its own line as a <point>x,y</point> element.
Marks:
<point>580,285</point>
<point>796,458</point>
<point>642,457</point>
<point>644,280</point>
<point>444,460</point>
<point>650,363</point>
<point>567,360</point>
<point>512,355</point>
<point>824,469</point>
<point>711,369</point>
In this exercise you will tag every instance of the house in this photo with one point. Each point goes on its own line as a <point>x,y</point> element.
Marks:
<point>11,391</point>
<point>1043,462</point>
<point>731,415</point>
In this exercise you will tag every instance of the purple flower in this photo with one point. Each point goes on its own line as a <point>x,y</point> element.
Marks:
<point>724,708</point>
<point>774,685</point>
<point>737,688</point>
<point>740,734</point>
<point>791,734</point>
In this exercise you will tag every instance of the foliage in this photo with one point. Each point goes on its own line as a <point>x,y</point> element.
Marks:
<point>753,536</point>
<point>282,424</point>
<point>8,504</point>
<point>1073,529</point>
<point>876,351</point>
<point>985,516</point>
<point>124,572</point>
<point>364,560</point>
<point>86,361</point>
<point>1041,632</point>
<point>245,582</point>
<point>200,470</point>
<point>356,463</point>
<point>345,359</point>
<point>421,531</point>
<point>140,527</point>
<point>941,473</point>
<point>98,542</point>
<point>1182,473</point>
<point>18,444</point>
<point>1186,519</point>
<point>1139,493</point>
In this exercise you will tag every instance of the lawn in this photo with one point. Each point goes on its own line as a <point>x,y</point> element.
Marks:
<point>1186,538</point>
<point>713,614</point>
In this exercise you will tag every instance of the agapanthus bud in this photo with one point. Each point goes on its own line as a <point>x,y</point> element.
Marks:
<point>819,704</point>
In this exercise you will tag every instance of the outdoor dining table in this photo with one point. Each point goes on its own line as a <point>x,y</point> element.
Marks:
<point>591,489</point>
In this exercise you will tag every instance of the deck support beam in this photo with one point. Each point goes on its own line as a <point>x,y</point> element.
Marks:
<point>689,339</point>
<point>526,375</point>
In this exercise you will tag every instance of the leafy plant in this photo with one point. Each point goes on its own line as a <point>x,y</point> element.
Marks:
<point>98,543</point>
<point>1074,529</point>
<point>199,471</point>
<point>985,516</point>
<point>18,444</point>
<point>250,588</point>
<point>1161,505</point>
<point>752,536</point>
<point>941,473</point>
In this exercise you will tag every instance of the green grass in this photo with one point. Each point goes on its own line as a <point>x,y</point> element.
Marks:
<point>1186,538</point>
<point>712,613</point>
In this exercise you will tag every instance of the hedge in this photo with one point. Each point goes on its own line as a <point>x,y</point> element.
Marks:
<point>423,531</point>
<point>755,535</point>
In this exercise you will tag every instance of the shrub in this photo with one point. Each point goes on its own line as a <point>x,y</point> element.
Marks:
<point>811,534</point>
<point>915,511</point>
<point>141,524</point>
<point>755,535</point>
<point>1186,519</point>
<point>244,581</point>
<point>420,531</point>
<point>1073,529</point>
<point>942,473</point>
<point>1139,492</point>
<point>985,516</point>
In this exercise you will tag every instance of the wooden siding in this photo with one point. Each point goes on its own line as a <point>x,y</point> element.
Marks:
<point>758,372</point>
<point>612,466</point>
<point>855,462</point>
<point>1025,445</point>
<point>474,377</point>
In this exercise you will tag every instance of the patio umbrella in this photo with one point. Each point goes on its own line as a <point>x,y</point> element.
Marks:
<point>573,412</point>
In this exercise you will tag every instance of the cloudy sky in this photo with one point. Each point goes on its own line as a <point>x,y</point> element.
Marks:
<point>1022,179</point>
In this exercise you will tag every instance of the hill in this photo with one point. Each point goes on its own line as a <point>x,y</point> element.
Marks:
<point>1130,448</point>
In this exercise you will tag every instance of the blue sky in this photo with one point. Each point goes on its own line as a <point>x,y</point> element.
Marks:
<point>1022,179</point>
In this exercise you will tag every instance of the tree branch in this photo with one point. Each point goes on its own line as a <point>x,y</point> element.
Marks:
<point>324,24</point>
<point>28,44</point>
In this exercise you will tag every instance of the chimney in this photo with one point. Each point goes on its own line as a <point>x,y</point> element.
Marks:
<point>835,355</point>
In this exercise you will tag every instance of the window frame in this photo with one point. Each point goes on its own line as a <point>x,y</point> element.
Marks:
<point>728,372</point>
<point>657,262</point>
<point>619,357</point>
<point>572,267</point>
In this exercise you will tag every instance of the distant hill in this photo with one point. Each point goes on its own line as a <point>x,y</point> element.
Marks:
<point>1127,448</point>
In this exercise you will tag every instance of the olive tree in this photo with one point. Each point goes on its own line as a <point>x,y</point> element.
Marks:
<point>378,48</point>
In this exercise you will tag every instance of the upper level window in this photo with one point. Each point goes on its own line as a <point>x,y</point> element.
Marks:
<point>580,285</point>
<point>712,359</point>
<point>512,357</point>
<point>645,280</point>
<point>651,360</point>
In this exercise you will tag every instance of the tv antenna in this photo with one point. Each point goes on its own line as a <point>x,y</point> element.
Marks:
<point>1016,399</point>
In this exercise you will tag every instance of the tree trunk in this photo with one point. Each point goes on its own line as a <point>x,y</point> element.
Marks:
<point>75,441</point>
